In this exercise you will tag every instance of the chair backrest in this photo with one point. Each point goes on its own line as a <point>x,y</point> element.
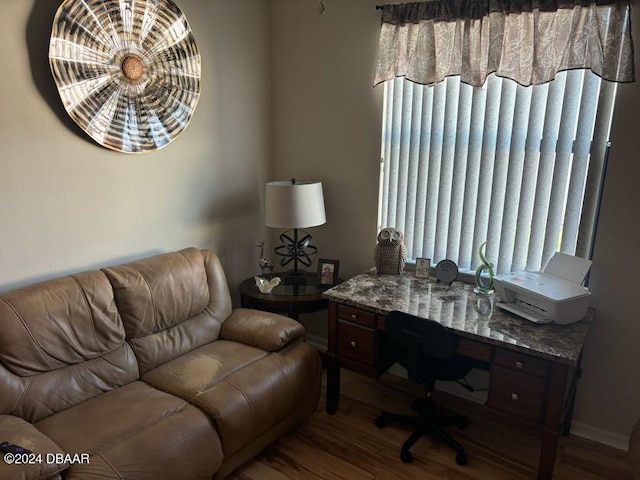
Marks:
<point>422,340</point>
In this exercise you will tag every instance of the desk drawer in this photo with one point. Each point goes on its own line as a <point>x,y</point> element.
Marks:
<point>356,342</point>
<point>473,349</point>
<point>355,315</point>
<point>517,393</point>
<point>522,362</point>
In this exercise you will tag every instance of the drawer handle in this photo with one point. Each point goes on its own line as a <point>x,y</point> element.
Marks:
<point>519,365</point>
<point>514,397</point>
<point>354,316</point>
<point>353,344</point>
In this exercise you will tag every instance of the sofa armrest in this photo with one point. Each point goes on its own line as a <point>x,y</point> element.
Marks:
<point>268,331</point>
<point>39,464</point>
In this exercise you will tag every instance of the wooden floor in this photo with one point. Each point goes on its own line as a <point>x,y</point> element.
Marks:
<point>348,445</point>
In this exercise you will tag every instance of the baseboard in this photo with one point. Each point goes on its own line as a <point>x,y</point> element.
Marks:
<point>615,440</point>
<point>319,342</point>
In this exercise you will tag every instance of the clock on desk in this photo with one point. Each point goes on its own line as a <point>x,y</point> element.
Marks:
<point>446,271</point>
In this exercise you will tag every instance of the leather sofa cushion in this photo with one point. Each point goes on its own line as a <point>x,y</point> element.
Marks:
<point>15,430</point>
<point>39,396</point>
<point>160,292</point>
<point>62,335</point>
<point>244,389</point>
<point>57,323</point>
<point>137,431</point>
<point>170,303</point>
<point>197,371</point>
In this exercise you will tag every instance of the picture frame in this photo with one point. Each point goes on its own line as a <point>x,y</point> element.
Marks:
<point>423,267</point>
<point>328,271</point>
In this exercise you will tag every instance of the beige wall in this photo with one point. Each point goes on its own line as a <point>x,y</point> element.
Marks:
<point>327,122</point>
<point>326,117</point>
<point>67,204</point>
<point>609,395</point>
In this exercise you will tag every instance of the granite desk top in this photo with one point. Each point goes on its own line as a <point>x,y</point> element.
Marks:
<point>467,313</point>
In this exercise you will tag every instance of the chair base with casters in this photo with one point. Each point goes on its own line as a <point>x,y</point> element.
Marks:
<point>427,423</point>
<point>427,350</point>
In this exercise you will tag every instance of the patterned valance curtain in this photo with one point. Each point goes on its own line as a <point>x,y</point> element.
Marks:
<point>529,41</point>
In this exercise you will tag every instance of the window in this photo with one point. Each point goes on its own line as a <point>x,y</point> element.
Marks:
<point>520,167</point>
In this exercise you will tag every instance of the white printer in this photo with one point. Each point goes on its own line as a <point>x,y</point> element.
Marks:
<point>553,295</point>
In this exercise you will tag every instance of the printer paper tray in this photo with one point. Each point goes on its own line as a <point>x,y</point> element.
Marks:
<point>510,307</point>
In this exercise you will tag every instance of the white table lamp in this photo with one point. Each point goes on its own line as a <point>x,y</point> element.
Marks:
<point>293,205</point>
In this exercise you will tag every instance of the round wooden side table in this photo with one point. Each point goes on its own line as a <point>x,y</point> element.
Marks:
<point>300,293</point>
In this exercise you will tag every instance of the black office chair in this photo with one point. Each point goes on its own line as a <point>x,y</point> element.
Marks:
<point>426,349</point>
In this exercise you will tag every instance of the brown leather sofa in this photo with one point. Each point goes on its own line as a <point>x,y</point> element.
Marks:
<point>144,371</point>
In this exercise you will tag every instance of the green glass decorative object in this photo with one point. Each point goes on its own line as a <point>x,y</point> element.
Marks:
<point>484,285</point>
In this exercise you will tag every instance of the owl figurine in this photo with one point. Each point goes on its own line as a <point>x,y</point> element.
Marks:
<point>390,253</point>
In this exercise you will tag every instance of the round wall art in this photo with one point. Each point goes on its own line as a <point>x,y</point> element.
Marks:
<point>128,71</point>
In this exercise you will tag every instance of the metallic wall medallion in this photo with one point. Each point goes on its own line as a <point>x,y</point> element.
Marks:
<point>128,71</point>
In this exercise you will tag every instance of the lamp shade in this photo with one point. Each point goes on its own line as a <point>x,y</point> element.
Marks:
<point>294,204</point>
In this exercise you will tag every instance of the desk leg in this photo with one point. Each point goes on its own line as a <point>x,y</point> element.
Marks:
<point>577,373</point>
<point>333,366</point>
<point>552,425</point>
<point>333,384</point>
<point>547,455</point>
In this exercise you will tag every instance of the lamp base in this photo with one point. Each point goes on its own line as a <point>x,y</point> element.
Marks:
<point>296,247</point>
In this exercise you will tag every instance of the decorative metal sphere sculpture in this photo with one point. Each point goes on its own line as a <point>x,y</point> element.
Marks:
<point>296,249</point>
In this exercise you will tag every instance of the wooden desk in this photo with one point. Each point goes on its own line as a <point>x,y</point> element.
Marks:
<point>533,368</point>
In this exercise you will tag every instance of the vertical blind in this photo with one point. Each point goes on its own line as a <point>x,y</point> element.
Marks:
<point>519,167</point>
